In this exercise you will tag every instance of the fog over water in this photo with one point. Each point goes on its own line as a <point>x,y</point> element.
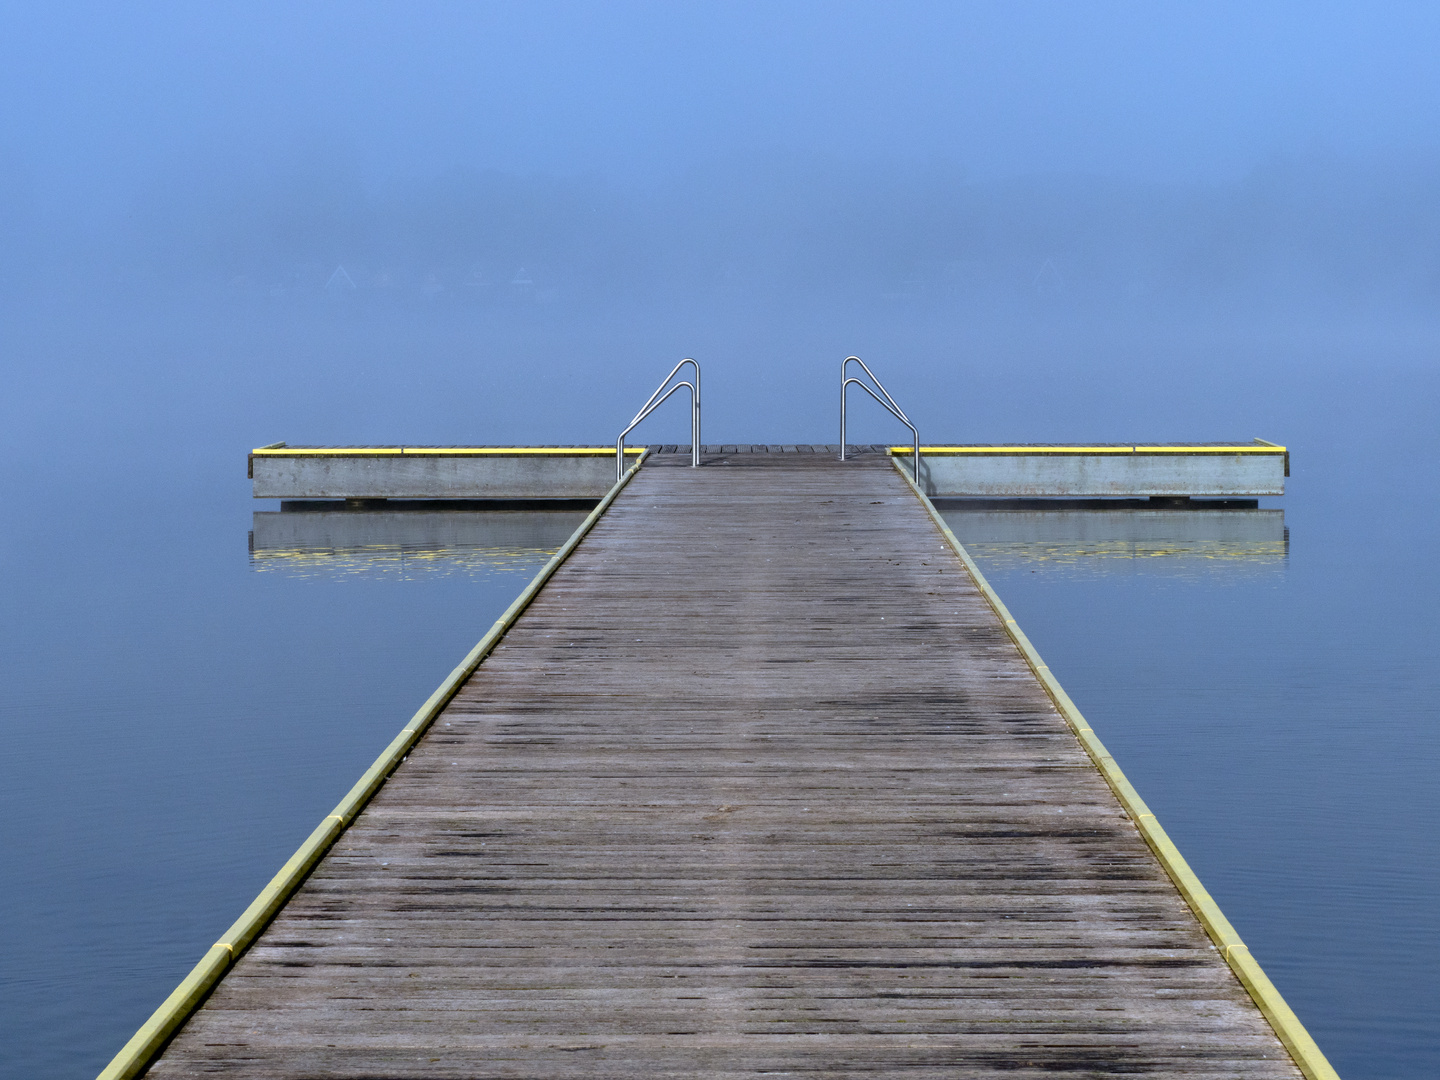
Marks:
<point>227,225</point>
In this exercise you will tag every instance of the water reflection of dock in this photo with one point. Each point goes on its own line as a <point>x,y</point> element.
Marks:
<point>328,540</point>
<point>1120,536</point>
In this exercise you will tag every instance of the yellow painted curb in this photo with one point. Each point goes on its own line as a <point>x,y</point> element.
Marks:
<point>1287,1025</point>
<point>439,451</point>
<point>145,1045</point>
<point>1018,451</point>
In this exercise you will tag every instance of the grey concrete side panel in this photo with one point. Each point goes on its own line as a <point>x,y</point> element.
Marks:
<point>403,476</point>
<point>1088,476</point>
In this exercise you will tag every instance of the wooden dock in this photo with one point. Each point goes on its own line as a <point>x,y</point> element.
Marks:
<point>758,783</point>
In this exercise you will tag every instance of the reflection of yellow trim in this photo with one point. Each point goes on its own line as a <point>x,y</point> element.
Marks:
<point>378,559</point>
<point>1236,953</point>
<point>436,451</point>
<point>900,451</point>
<point>1109,556</point>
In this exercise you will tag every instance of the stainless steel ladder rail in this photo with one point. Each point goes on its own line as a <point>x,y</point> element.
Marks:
<point>886,402</point>
<point>657,399</point>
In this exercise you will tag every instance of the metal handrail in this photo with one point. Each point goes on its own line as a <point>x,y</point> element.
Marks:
<point>887,402</point>
<point>657,399</point>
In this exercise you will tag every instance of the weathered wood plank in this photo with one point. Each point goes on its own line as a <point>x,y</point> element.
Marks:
<point>757,784</point>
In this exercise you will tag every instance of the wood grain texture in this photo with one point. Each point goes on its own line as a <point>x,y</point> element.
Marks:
<point>758,784</point>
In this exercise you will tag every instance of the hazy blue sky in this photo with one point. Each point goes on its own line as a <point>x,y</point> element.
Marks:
<point>101,97</point>
<point>712,172</point>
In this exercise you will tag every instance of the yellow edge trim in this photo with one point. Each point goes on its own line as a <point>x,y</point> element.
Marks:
<point>137,1054</point>
<point>1287,1025</point>
<point>899,451</point>
<point>435,451</point>
<point>1272,450</point>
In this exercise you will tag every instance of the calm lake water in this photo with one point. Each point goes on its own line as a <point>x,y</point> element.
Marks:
<point>188,687</point>
<point>1277,711</point>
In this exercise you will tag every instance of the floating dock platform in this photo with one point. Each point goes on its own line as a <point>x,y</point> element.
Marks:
<point>433,472</point>
<point>758,776</point>
<point>1120,470</point>
<point>1161,470</point>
